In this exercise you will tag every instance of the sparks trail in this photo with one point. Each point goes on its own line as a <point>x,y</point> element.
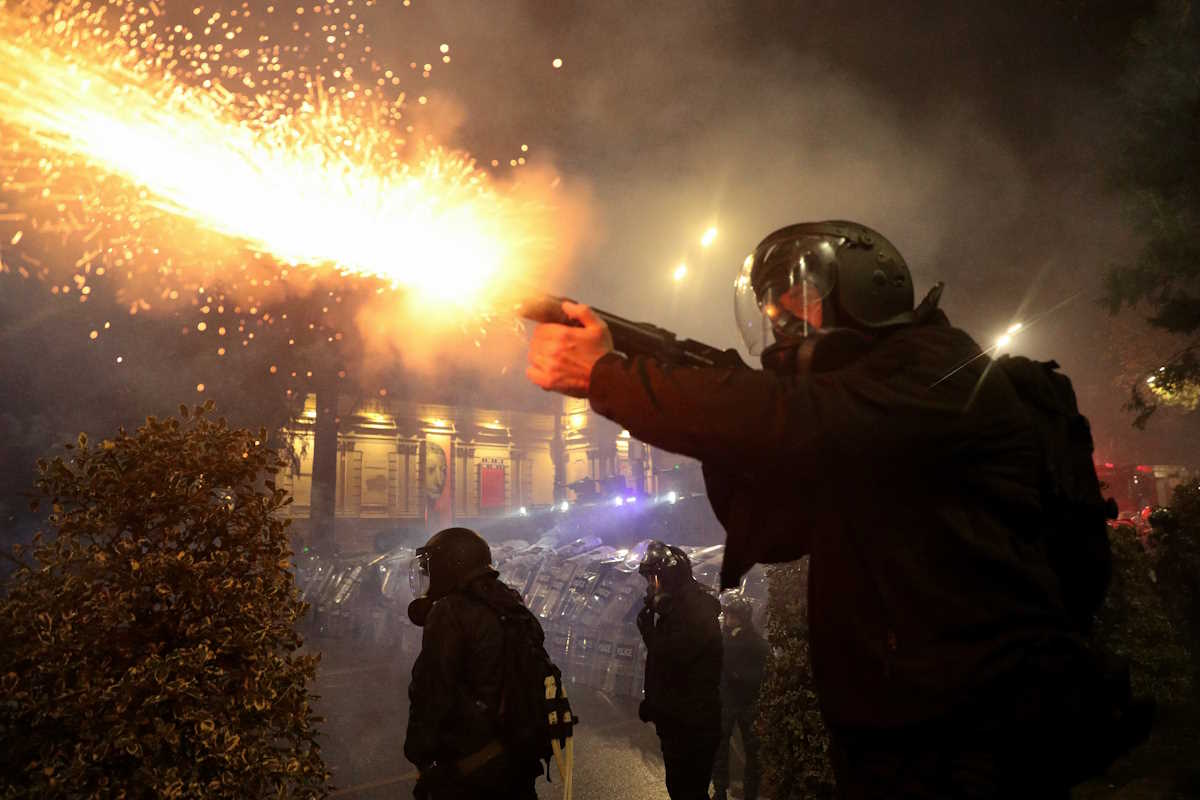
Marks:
<point>171,152</point>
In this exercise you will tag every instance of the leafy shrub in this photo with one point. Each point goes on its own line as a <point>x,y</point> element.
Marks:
<point>1134,625</point>
<point>149,646</point>
<point>795,743</point>
<point>1177,569</point>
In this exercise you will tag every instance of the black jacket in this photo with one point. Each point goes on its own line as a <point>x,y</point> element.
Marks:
<point>911,485</point>
<point>683,663</point>
<point>743,666</point>
<point>454,695</point>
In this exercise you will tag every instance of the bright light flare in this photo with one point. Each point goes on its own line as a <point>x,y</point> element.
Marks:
<point>310,186</point>
<point>708,238</point>
<point>1006,338</point>
<point>680,273</point>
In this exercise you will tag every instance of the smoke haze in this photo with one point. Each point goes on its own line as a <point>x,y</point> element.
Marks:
<point>975,136</point>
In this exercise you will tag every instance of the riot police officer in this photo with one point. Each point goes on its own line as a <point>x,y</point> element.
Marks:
<point>453,735</point>
<point>742,670</point>
<point>679,623</point>
<point>878,440</point>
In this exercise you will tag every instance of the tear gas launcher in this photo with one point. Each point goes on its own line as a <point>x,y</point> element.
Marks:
<point>635,338</point>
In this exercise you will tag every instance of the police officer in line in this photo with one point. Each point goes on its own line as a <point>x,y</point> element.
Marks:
<point>877,440</point>
<point>453,734</point>
<point>743,666</point>
<point>679,624</point>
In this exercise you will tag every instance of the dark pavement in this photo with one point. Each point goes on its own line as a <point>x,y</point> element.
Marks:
<point>363,698</point>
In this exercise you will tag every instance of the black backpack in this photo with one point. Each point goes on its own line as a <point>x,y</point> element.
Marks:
<point>1077,525</point>
<point>526,705</point>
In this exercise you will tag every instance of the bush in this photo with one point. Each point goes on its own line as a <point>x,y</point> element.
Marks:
<point>1177,570</point>
<point>149,646</point>
<point>795,743</point>
<point>1133,624</point>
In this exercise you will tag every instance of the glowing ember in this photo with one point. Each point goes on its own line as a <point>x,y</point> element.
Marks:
<point>310,185</point>
<point>214,165</point>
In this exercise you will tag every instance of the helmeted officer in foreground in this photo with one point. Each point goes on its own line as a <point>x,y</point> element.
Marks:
<point>743,666</point>
<point>679,624</point>
<point>877,440</point>
<point>454,698</point>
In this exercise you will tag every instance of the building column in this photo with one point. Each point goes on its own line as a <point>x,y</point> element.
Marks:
<point>324,474</point>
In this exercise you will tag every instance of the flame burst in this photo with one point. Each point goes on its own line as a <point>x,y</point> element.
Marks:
<point>166,149</point>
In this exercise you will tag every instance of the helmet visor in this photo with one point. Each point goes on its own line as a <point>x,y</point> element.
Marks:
<point>418,573</point>
<point>781,288</point>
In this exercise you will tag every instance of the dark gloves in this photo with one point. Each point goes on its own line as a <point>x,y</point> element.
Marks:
<point>433,780</point>
<point>663,601</point>
<point>644,712</point>
<point>645,621</point>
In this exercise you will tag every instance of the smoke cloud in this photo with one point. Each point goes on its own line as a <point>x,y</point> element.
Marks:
<point>976,136</point>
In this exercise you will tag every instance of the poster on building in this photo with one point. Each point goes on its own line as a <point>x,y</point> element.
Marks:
<point>439,493</point>
<point>491,486</point>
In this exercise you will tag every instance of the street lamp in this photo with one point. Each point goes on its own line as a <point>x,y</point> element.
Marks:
<point>1005,339</point>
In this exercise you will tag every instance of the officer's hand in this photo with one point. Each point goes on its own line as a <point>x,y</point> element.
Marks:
<point>561,357</point>
<point>645,620</point>
<point>644,712</point>
<point>661,602</point>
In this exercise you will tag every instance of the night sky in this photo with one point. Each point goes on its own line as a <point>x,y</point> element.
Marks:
<point>977,136</point>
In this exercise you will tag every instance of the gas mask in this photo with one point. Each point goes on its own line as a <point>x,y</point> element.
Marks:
<point>657,595</point>
<point>665,569</point>
<point>449,559</point>
<point>418,583</point>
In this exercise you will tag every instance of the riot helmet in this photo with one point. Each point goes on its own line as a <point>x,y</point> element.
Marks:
<point>736,609</point>
<point>665,565</point>
<point>451,558</point>
<point>813,279</point>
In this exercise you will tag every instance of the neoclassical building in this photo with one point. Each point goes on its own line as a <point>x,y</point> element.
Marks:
<point>405,468</point>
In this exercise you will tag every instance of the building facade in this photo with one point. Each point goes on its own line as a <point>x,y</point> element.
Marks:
<point>407,469</point>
